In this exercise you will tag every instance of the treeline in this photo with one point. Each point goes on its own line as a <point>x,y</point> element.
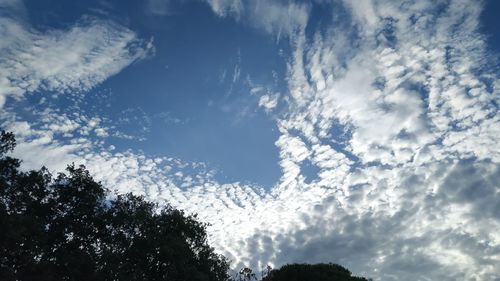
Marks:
<point>69,227</point>
<point>299,272</point>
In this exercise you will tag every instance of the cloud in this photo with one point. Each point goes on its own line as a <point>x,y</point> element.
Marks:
<point>414,101</point>
<point>158,7</point>
<point>268,102</point>
<point>74,59</point>
<point>226,7</point>
<point>275,17</point>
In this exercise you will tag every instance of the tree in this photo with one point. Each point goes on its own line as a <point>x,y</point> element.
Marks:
<point>312,272</point>
<point>69,228</point>
<point>246,274</point>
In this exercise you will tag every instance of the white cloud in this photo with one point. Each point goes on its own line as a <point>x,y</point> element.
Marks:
<point>226,7</point>
<point>74,59</point>
<point>268,102</point>
<point>413,113</point>
<point>274,17</point>
<point>158,7</point>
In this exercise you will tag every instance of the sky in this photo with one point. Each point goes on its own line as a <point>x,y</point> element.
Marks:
<point>364,133</point>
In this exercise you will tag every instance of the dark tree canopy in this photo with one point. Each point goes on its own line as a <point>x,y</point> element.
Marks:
<point>312,272</point>
<point>69,228</point>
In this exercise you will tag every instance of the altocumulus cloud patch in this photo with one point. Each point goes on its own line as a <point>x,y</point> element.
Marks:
<point>392,105</point>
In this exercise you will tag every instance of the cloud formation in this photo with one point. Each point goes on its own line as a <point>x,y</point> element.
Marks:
<point>75,59</point>
<point>417,106</point>
<point>399,119</point>
<point>274,17</point>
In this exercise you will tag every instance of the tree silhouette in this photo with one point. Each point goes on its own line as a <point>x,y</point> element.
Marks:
<point>312,272</point>
<point>69,228</point>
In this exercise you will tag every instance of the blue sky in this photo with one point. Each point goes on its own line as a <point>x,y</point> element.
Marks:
<point>195,88</point>
<point>302,131</point>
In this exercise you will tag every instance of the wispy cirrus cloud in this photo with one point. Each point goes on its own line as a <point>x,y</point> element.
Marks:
<point>276,17</point>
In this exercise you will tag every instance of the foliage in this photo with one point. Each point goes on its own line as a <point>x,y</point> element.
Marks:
<point>68,228</point>
<point>312,272</point>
